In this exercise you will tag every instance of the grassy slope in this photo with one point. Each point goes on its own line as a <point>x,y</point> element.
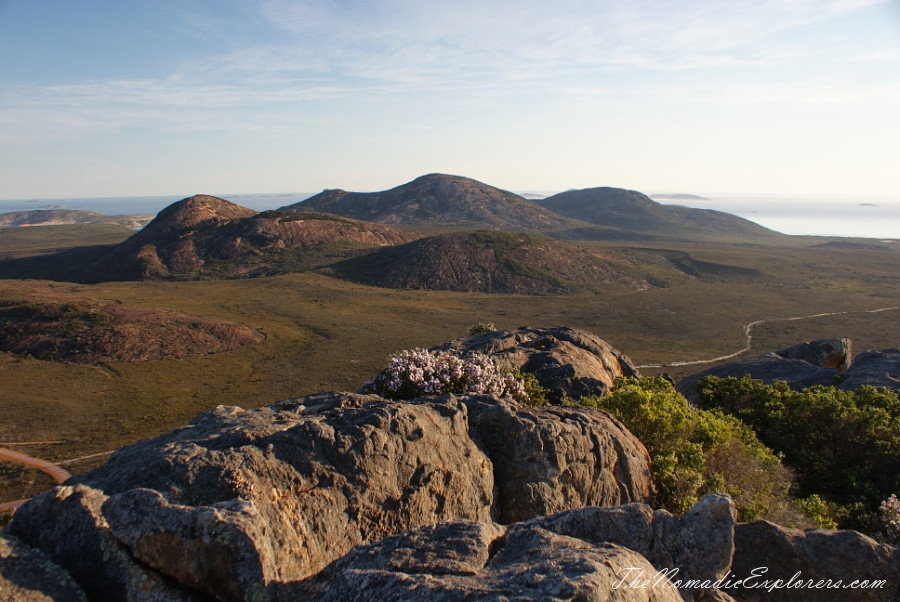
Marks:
<point>328,334</point>
<point>38,240</point>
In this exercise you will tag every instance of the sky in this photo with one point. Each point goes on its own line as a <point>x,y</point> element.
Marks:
<point>159,97</point>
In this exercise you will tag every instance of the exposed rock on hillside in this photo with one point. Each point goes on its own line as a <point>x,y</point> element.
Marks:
<point>571,363</point>
<point>202,230</point>
<point>91,331</point>
<point>874,368</point>
<point>240,501</point>
<point>489,262</point>
<point>824,353</point>
<point>809,364</point>
<point>436,198</point>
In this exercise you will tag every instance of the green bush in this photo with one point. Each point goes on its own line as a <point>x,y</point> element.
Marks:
<point>843,445</point>
<point>535,394</point>
<point>482,328</point>
<point>694,452</point>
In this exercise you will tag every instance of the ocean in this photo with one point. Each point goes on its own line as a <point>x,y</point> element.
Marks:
<point>867,217</point>
<point>148,205</point>
<point>819,215</point>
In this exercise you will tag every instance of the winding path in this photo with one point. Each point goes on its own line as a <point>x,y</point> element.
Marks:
<point>59,474</point>
<point>54,470</point>
<point>748,336</point>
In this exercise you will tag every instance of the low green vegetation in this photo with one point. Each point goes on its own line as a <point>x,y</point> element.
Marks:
<point>843,445</point>
<point>695,452</point>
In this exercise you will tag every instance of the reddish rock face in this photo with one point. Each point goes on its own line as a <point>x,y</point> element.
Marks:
<point>71,328</point>
<point>195,231</point>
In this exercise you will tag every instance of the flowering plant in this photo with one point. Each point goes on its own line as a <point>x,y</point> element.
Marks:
<point>890,518</point>
<point>416,372</point>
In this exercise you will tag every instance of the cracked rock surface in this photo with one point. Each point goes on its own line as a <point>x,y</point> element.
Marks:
<point>238,503</point>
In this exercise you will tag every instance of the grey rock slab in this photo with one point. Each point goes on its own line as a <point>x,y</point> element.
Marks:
<point>67,525</point>
<point>28,575</point>
<point>555,458</point>
<point>814,555</point>
<point>466,561</point>
<point>238,502</point>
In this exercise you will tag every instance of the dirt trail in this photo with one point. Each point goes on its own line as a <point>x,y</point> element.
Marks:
<point>58,474</point>
<point>748,336</point>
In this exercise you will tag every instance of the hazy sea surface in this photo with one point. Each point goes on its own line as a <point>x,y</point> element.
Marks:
<point>129,205</point>
<point>813,215</point>
<point>853,216</point>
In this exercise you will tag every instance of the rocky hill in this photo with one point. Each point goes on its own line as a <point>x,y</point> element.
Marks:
<point>205,233</point>
<point>53,326</point>
<point>632,211</point>
<point>438,199</point>
<point>594,213</point>
<point>490,262</point>
<point>342,496</point>
<point>54,217</point>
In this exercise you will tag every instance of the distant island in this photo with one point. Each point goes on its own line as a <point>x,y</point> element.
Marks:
<point>59,217</point>
<point>679,196</point>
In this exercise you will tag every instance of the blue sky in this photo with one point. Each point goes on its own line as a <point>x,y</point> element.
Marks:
<point>116,98</point>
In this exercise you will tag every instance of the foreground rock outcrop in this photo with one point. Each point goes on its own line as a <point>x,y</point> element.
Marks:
<point>571,363</point>
<point>829,562</point>
<point>28,575</point>
<point>239,501</point>
<point>476,561</point>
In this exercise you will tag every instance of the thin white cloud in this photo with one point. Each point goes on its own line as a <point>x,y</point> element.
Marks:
<point>417,38</point>
<point>337,50</point>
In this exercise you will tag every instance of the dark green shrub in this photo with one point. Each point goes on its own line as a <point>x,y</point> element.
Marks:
<point>843,445</point>
<point>695,452</point>
<point>535,394</point>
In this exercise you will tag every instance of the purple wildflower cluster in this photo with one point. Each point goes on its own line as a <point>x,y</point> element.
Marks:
<point>890,518</point>
<point>412,373</point>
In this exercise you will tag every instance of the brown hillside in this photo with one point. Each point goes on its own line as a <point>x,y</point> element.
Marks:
<point>495,262</point>
<point>208,235</point>
<point>63,217</point>
<point>437,198</point>
<point>54,326</point>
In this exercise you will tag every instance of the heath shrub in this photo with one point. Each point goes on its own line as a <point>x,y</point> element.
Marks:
<point>417,372</point>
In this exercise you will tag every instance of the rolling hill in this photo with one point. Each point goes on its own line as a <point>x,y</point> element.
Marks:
<point>632,211</point>
<point>490,262</point>
<point>206,235</point>
<point>41,321</point>
<point>438,199</point>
